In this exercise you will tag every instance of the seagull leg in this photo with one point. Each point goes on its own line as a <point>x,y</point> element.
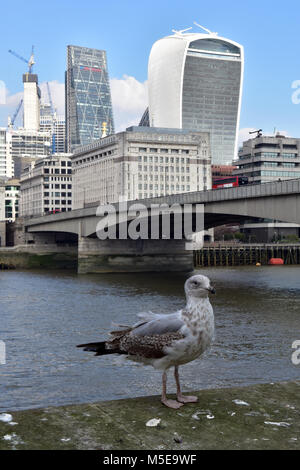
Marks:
<point>169,403</point>
<point>180,397</point>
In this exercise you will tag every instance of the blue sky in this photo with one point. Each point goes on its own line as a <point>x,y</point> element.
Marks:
<point>126,29</point>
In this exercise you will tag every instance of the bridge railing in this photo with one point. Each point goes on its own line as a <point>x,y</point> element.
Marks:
<point>274,188</point>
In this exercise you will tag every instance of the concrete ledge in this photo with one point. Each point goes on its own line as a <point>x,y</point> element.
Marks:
<point>46,259</point>
<point>263,416</point>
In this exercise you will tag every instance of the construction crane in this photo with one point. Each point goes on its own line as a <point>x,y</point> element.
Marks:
<point>50,100</point>
<point>29,62</point>
<point>53,112</point>
<point>11,121</point>
<point>258,132</point>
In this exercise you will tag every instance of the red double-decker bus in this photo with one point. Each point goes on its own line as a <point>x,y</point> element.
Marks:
<point>229,182</point>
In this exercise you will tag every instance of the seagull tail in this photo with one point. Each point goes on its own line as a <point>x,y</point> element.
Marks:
<point>99,348</point>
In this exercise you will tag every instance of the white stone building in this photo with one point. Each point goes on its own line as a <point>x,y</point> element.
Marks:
<point>141,162</point>
<point>46,186</point>
<point>6,162</point>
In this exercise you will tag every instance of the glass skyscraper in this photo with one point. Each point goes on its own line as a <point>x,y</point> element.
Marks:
<point>195,82</point>
<point>88,100</point>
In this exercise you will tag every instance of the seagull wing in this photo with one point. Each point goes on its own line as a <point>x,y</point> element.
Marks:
<point>146,339</point>
<point>150,338</point>
<point>159,324</point>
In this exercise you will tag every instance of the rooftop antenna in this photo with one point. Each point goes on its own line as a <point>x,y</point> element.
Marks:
<point>205,29</point>
<point>181,31</point>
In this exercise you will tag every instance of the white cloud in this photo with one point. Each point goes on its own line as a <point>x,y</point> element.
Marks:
<point>57,91</point>
<point>129,100</point>
<point>244,135</point>
<point>9,106</point>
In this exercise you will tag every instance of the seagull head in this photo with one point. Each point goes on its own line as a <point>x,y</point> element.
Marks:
<point>198,286</point>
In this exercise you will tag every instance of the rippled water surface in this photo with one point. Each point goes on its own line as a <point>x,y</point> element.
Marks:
<point>44,315</point>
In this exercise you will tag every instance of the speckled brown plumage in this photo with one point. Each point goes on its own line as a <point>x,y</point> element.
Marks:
<point>148,346</point>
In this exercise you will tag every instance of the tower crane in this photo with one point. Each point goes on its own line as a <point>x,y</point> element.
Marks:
<point>258,132</point>
<point>50,101</point>
<point>11,121</point>
<point>29,62</point>
<point>53,112</point>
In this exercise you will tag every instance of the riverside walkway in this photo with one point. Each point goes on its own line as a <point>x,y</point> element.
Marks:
<point>264,416</point>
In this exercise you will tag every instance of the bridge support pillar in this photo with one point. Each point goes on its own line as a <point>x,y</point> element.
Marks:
<point>114,256</point>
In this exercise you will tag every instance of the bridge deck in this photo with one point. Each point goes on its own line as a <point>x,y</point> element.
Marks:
<point>248,192</point>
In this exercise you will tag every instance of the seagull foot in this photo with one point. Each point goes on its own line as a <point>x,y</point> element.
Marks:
<point>172,404</point>
<point>187,399</point>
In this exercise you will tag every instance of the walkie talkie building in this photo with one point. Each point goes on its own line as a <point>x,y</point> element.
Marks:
<point>88,99</point>
<point>195,82</point>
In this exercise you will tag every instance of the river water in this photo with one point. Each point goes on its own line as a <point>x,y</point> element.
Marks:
<point>43,316</point>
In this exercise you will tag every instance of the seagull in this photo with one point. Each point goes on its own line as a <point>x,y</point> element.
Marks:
<point>167,340</point>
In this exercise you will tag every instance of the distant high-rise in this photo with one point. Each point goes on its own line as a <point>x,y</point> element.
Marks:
<point>55,125</point>
<point>195,82</point>
<point>88,99</point>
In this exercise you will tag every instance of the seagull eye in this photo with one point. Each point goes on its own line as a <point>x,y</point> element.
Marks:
<point>195,284</point>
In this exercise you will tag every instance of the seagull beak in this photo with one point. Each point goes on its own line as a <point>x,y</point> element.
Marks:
<point>212,290</point>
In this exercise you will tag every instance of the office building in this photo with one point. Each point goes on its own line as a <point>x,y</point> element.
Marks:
<point>195,82</point>
<point>269,158</point>
<point>6,162</point>
<point>46,186</point>
<point>2,200</point>
<point>88,98</point>
<point>264,159</point>
<point>55,125</point>
<point>2,214</point>
<point>12,189</point>
<point>142,162</point>
<point>26,146</point>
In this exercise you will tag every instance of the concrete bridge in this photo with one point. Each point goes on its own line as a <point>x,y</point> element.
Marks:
<point>276,201</point>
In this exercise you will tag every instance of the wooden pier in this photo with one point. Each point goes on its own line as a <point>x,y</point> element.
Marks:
<point>244,255</point>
